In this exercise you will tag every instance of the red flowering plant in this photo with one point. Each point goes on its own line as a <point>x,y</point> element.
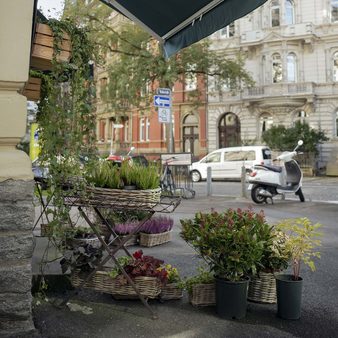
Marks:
<point>140,266</point>
<point>231,242</point>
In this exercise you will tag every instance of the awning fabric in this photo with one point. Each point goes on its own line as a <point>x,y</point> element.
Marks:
<point>180,23</point>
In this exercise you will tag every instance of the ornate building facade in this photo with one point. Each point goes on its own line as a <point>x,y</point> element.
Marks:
<point>291,51</point>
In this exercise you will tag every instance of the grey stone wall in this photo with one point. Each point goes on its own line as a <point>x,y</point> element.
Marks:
<point>16,249</point>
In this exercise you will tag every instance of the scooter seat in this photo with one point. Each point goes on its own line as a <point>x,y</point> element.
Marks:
<point>272,167</point>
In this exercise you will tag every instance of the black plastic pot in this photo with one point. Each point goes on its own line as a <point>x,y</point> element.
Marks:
<point>289,296</point>
<point>231,298</point>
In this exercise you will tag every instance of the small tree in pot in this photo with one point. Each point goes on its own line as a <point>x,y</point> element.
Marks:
<point>301,245</point>
<point>232,244</point>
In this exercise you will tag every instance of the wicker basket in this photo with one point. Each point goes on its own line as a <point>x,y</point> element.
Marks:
<point>133,240</point>
<point>171,291</point>
<point>154,239</point>
<point>102,197</point>
<point>149,287</point>
<point>263,288</point>
<point>203,295</point>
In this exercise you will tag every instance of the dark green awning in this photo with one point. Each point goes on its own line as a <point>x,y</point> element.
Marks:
<point>180,23</point>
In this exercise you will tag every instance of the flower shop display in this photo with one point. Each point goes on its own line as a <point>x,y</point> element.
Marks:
<point>232,244</point>
<point>301,244</point>
<point>201,288</point>
<point>156,231</point>
<point>125,229</point>
<point>173,289</point>
<point>262,287</point>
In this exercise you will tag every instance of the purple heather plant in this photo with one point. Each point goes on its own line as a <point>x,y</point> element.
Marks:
<point>125,228</point>
<point>157,225</point>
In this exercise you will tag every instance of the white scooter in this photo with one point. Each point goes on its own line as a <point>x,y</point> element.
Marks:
<point>267,181</point>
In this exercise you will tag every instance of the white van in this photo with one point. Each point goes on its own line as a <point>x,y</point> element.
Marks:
<point>228,162</point>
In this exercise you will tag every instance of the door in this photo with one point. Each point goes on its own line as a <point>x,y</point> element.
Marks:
<point>229,131</point>
<point>190,135</point>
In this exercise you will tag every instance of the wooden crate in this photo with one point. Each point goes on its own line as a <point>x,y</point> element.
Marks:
<point>32,89</point>
<point>42,49</point>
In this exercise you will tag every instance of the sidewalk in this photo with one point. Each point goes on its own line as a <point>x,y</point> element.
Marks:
<point>93,314</point>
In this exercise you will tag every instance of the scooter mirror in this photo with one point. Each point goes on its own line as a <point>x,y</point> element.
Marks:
<point>300,143</point>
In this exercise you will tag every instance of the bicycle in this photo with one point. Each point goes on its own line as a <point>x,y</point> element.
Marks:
<point>167,182</point>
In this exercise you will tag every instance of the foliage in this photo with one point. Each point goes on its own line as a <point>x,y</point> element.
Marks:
<point>203,277</point>
<point>135,62</point>
<point>140,265</point>
<point>232,242</point>
<point>157,224</point>
<point>147,177</point>
<point>301,242</point>
<point>104,175</point>
<point>128,173</point>
<point>282,138</point>
<point>65,117</point>
<point>275,256</point>
<point>173,274</point>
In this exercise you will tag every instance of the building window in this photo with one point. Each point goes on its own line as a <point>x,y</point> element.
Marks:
<point>334,10</point>
<point>141,133</point>
<point>289,12</point>
<point>275,11</point>
<point>102,130</point>
<point>126,131</point>
<point>335,67</point>
<point>291,67</point>
<point>103,87</point>
<point>277,69</point>
<point>265,122</point>
<point>301,116</point>
<point>147,125</point>
<point>228,31</point>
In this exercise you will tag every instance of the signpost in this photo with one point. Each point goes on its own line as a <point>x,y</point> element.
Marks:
<point>163,102</point>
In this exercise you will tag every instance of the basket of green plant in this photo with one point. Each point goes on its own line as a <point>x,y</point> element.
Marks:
<point>147,273</point>
<point>106,182</point>
<point>262,287</point>
<point>173,289</point>
<point>156,231</point>
<point>201,288</point>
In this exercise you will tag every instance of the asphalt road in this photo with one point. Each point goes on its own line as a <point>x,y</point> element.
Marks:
<point>323,189</point>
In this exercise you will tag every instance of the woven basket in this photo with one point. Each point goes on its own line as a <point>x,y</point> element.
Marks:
<point>263,288</point>
<point>171,291</point>
<point>133,240</point>
<point>121,198</point>
<point>203,295</point>
<point>154,239</point>
<point>149,287</point>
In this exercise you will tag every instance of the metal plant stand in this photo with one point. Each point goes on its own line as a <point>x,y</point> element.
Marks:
<point>97,201</point>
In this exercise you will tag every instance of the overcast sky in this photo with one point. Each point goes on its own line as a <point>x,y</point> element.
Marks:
<point>51,8</point>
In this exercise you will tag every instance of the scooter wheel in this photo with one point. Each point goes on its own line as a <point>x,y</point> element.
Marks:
<point>299,193</point>
<point>256,197</point>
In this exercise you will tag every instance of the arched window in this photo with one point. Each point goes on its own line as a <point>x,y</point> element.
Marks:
<point>301,116</point>
<point>335,67</point>
<point>334,10</point>
<point>291,67</point>
<point>277,68</point>
<point>275,13</point>
<point>289,12</point>
<point>265,122</point>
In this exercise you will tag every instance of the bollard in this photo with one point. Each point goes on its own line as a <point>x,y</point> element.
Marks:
<point>209,187</point>
<point>243,179</point>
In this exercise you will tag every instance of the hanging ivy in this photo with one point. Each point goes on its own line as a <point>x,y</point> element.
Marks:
<point>65,117</point>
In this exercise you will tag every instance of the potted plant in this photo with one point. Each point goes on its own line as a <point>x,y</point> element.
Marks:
<point>173,288</point>
<point>124,229</point>
<point>128,175</point>
<point>230,242</point>
<point>301,244</point>
<point>275,258</point>
<point>156,231</point>
<point>147,177</point>
<point>201,288</point>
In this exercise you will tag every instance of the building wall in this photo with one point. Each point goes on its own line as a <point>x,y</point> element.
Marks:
<point>313,38</point>
<point>16,178</point>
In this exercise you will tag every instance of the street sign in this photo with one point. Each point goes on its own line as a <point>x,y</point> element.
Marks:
<point>162,101</point>
<point>163,91</point>
<point>164,115</point>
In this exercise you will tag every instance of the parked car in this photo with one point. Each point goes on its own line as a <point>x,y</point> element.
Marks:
<point>228,162</point>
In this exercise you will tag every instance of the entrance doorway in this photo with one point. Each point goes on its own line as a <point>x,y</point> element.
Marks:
<point>191,135</point>
<point>229,131</point>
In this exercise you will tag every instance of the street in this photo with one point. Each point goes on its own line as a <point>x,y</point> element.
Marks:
<point>322,189</point>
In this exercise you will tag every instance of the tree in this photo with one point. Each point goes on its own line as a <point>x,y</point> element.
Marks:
<point>136,65</point>
<point>282,138</point>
